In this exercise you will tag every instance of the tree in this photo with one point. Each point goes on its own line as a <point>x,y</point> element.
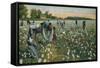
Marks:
<point>33,14</point>
<point>22,12</point>
<point>46,14</point>
<point>39,13</point>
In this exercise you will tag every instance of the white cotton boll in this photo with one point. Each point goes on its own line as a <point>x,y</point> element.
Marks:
<point>80,52</point>
<point>74,51</point>
<point>76,41</point>
<point>90,52</point>
<point>39,60</point>
<point>89,58</point>
<point>25,29</point>
<point>45,50</point>
<point>31,21</point>
<point>68,52</point>
<point>42,47</point>
<point>72,40</point>
<point>64,32</point>
<point>94,54</point>
<point>70,32</point>
<point>21,61</point>
<point>81,44</point>
<point>20,21</point>
<point>64,45</point>
<point>82,47</point>
<point>63,58</point>
<point>20,40</point>
<point>24,54</point>
<point>42,55</point>
<point>50,52</point>
<point>49,45</point>
<point>74,36</point>
<point>87,43</point>
<point>73,55</point>
<point>78,56</point>
<point>48,49</point>
<point>24,22</point>
<point>29,54</point>
<point>44,60</point>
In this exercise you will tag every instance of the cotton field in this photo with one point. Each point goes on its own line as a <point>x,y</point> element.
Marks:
<point>72,44</point>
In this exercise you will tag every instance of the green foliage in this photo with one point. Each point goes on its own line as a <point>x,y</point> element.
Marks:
<point>38,14</point>
<point>35,14</point>
<point>22,12</point>
<point>46,14</point>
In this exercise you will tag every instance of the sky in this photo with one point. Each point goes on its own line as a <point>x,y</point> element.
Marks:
<point>65,11</point>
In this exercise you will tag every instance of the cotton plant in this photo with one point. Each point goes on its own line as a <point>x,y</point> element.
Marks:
<point>71,45</point>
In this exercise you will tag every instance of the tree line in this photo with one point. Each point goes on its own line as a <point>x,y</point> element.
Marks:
<point>34,14</point>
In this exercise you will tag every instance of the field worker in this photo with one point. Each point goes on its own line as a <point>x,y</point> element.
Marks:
<point>54,34</point>
<point>50,27</point>
<point>32,28</point>
<point>76,22</point>
<point>46,23</point>
<point>63,23</point>
<point>84,25</point>
<point>50,31</point>
<point>57,22</point>
<point>32,48</point>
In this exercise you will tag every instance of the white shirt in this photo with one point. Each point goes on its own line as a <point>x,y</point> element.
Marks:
<point>33,26</point>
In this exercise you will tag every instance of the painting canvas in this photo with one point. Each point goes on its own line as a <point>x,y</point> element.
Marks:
<point>48,33</point>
